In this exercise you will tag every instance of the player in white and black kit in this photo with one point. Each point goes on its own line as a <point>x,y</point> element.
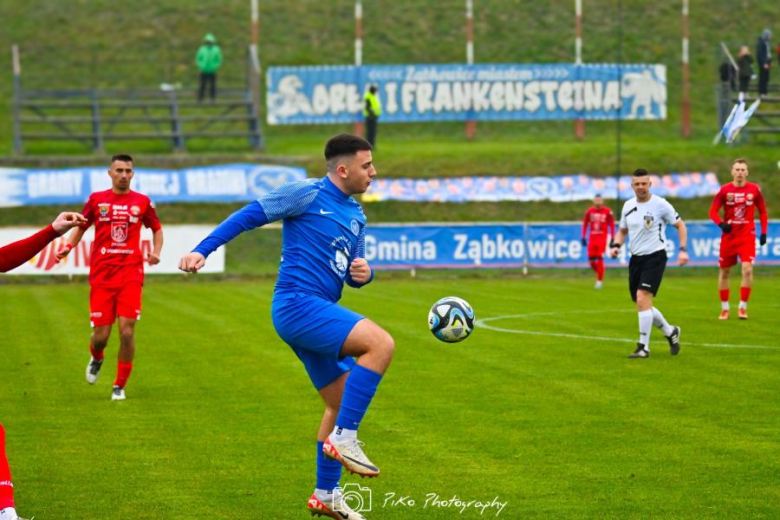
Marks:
<point>644,219</point>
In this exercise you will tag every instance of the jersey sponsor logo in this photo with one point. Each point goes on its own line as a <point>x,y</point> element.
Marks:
<point>649,219</point>
<point>354,226</point>
<point>119,231</point>
<point>323,212</point>
<point>103,208</point>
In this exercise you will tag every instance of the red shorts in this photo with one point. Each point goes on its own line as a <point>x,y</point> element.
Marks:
<point>596,247</point>
<point>743,247</point>
<point>106,303</point>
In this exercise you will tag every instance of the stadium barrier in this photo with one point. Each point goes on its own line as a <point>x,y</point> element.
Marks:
<point>524,245</point>
<point>178,242</point>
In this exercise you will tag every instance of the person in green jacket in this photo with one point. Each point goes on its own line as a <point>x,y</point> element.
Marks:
<point>372,109</point>
<point>209,59</point>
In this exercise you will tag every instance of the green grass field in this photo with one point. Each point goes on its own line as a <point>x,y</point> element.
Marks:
<point>550,418</point>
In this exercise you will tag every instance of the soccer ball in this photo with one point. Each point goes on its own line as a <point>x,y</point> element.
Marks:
<point>451,319</point>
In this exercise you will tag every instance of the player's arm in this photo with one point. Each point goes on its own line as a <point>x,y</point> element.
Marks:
<point>73,240</point>
<point>617,242</point>
<point>585,220</point>
<point>682,231</point>
<point>247,218</point>
<point>157,243</point>
<point>360,273</point>
<point>15,254</point>
<point>763,216</point>
<point>717,203</point>
<point>611,224</point>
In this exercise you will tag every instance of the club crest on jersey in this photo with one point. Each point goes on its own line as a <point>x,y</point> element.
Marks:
<point>135,211</point>
<point>119,231</point>
<point>342,249</point>
<point>730,197</point>
<point>103,208</point>
<point>354,226</point>
<point>649,219</point>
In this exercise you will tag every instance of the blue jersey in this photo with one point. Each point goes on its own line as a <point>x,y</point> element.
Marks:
<point>323,231</point>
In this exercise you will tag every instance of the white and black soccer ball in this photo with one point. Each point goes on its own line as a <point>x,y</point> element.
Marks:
<point>451,319</point>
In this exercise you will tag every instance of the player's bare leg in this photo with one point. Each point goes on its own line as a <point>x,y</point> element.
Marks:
<point>125,358</point>
<point>97,345</point>
<point>326,499</point>
<point>745,288</point>
<point>373,347</point>
<point>723,289</point>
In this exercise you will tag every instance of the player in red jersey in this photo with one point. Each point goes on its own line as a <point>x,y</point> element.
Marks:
<point>739,199</point>
<point>601,222</point>
<point>12,256</point>
<point>116,271</point>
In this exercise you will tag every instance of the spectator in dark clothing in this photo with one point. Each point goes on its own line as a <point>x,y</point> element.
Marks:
<point>745,64</point>
<point>764,59</point>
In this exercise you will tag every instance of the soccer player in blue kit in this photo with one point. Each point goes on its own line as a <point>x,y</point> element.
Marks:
<point>323,248</point>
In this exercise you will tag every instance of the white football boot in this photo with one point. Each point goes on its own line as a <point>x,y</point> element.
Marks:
<point>118,394</point>
<point>93,370</point>
<point>350,454</point>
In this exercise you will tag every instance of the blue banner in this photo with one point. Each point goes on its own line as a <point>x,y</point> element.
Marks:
<point>516,245</point>
<point>490,92</point>
<point>561,188</point>
<point>221,183</point>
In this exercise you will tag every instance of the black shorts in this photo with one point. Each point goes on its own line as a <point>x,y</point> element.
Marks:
<point>645,272</point>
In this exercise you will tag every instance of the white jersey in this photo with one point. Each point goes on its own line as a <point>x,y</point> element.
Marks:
<point>646,223</point>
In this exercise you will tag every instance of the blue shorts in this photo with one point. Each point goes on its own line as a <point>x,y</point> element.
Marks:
<point>316,329</point>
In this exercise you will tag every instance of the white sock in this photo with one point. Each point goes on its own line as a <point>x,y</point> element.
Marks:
<point>660,322</point>
<point>743,305</point>
<point>724,306</point>
<point>8,512</point>
<point>323,494</point>
<point>645,328</point>
<point>343,434</point>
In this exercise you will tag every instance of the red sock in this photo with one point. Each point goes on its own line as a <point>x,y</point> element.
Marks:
<point>600,269</point>
<point>95,355</point>
<point>123,373</point>
<point>6,487</point>
<point>724,295</point>
<point>744,293</point>
<point>593,265</point>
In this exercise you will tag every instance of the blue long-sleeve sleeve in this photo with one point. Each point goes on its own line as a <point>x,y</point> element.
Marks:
<point>360,252</point>
<point>247,218</point>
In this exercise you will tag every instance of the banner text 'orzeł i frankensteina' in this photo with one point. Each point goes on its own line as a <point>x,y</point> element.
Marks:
<point>458,92</point>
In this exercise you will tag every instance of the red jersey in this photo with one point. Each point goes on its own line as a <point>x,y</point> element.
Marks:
<point>600,221</point>
<point>116,256</point>
<point>739,208</point>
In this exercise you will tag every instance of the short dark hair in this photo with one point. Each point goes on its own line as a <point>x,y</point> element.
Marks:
<point>345,144</point>
<point>597,195</point>
<point>640,172</point>
<point>121,157</point>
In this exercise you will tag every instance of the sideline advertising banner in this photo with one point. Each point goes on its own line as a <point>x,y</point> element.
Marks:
<point>178,241</point>
<point>560,188</point>
<point>459,92</point>
<point>219,183</point>
<point>516,245</point>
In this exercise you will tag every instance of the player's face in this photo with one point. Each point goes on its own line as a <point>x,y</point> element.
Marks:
<point>641,186</point>
<point>739,171</point>
<point>121,174</point>
<point>359,172</point>
<point>598,202</point>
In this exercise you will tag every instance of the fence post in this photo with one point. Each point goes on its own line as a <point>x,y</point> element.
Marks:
<point>178,137</point>
<point>17,98</point>
<point>97,129</point>
<point>253,99</point>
